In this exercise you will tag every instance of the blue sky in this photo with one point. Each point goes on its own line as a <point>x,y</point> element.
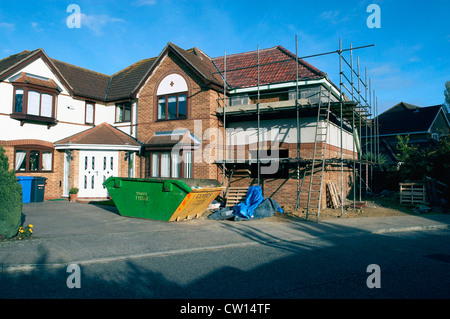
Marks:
<point>410,61</point>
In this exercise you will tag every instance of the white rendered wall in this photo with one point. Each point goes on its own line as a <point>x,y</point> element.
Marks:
<point>284,130</point>
<point>70,112</point>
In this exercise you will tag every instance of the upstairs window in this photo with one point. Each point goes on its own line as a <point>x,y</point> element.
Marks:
<point>89,114</point>
<point>172,107</point>
<point>123,112</point>
<point>172,96</point>
<point>34,99</point>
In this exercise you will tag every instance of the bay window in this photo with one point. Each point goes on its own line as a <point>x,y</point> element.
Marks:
<point>34,103</point>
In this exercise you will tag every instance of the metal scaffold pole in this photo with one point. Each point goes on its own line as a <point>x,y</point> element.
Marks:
<point>298,125</point>
<point>341,126</point>
<point>224,113</point>
<point>367,137</point>
<point>257,111</point>
<point>360,146</point>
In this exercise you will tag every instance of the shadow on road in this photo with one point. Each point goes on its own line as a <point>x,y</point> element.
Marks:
<point>334,267</point>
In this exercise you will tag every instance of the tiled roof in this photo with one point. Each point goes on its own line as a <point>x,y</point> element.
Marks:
<point>104,134</point>
<point>102,87</point>
<point>407,118</point>
<point>8,62</point>
<point>247,73</point>
<point>84,82</point>
<point>24,78</point>
<point>125,81</point>
<point>201,62</point>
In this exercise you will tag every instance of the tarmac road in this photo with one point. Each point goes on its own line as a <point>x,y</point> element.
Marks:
<point>123,257</point>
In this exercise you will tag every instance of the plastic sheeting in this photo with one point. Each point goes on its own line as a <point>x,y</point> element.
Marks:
<point>252,200</point>
<point>253,207</point>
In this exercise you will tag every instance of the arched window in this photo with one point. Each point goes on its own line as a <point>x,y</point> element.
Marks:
<point>172,98</point>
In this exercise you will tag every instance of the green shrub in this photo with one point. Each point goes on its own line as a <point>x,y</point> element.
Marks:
<point>10,199</point>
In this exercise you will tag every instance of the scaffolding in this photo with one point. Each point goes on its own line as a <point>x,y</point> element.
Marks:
<point>358,109</point>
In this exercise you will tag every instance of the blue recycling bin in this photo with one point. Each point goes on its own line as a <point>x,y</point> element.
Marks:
<point>26,182</point>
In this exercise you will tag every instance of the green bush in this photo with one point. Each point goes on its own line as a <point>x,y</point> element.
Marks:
<point>10,199</point>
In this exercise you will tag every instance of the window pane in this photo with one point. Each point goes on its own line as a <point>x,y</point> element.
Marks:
<point>161,108</point>
<point>182,106</point>
<point>33,102</point>
<point>90,113</point>
<point>119,113</point>
<point>175,165</point>
<point>165,164</point>
<point>127,112</point>
<point>47,159</point>
<point>47,105</point>
<point>21,160</point>
<point>18,102</point>
<point>34,161</point>
<point>172,107</point>
<point>155,164</point>
<point>188,165</point>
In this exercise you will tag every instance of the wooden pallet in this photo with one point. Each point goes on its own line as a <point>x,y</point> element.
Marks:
<point>412,193</point>
<point>335,199</point>
<point>235,195</point>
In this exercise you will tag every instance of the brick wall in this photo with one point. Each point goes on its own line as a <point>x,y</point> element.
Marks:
<point>284,191</point>
<point>201,103</point>
<point>54,184</point>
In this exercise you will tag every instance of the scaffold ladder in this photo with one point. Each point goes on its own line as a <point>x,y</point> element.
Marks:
<point>317,167</point>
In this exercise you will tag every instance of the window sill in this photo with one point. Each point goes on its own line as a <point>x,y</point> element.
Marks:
<point>31,172</point>
<point>33,118</point>
<point>177,119</point>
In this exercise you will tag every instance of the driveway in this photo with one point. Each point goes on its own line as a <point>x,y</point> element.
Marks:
<point>67,233</point>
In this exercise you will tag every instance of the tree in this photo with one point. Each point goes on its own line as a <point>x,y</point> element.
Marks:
<point>10,199</point>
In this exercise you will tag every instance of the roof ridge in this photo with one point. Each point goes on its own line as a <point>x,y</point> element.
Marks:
<point>247,52</point>
<point>79,67</point>
<point>306,64</point>
<point>20,53</point>
<point>116,132</point>
<point>146,59</point>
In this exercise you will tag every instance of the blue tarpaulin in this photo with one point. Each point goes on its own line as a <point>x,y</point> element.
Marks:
<point>253,207</point>
<point>252,200</point>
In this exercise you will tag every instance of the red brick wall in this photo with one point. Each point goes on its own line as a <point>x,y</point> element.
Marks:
<point>284,191</point>
<point>201,103</point>
<point>53,187</point>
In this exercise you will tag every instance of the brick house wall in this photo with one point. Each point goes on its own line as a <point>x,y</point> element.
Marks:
<point>201,105</point>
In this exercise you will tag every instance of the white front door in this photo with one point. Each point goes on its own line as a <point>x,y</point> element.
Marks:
<point>95,168</point>
<point>66,173</point>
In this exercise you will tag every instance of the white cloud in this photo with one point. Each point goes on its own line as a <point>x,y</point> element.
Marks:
<point>8,26</point>
<point>35,27</point>
<point>141,3</point>
<point>384,70</point>
<point>97,22</point>
<point>329,15</point>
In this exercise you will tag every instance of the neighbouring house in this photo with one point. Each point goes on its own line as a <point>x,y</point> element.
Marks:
<point>165,117</point>
<point>423,125</point>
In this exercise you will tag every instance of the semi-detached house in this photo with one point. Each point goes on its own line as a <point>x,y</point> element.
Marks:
<point>164,117</point>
